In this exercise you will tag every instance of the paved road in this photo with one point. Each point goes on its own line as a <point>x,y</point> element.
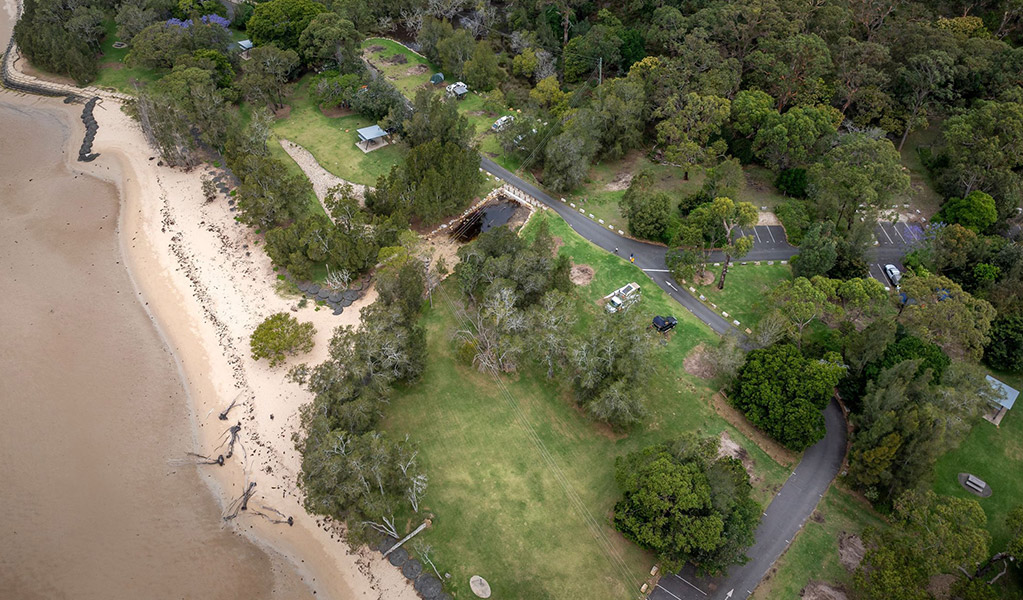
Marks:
<point>649,257</point>
<point>799,496</point>
<point>784,517</point>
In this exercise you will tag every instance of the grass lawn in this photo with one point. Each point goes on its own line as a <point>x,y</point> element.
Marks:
<point>332,140</point>
<point>112,70</point>
<point>995,454</point>
<point>924,197</point>
<point>813,555</point>
<point>746,288</point>
<point>501,509</point>
<point>606,183</point>
<point>407,76</point>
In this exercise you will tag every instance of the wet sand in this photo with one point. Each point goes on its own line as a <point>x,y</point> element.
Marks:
<point>95,420</point>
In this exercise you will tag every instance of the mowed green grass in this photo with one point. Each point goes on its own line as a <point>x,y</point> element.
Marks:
<point>332,140</point>
<point>113,73</point>
<point>407,76</point>
<point>501,509</point>
<point>747,287</point>
<point>995,454</point>
<point>813,555</point>
<point>602,192</point>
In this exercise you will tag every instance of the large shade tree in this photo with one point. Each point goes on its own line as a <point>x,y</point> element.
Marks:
<point>686,503</point>
<point>783,393</point>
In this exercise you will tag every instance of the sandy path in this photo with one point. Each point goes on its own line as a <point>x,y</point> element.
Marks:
<point>321,178</point>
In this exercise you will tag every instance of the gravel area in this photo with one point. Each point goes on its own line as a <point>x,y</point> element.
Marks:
<point>321,178</point>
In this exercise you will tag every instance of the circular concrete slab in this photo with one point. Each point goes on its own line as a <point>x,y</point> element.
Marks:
<point>479,586</point>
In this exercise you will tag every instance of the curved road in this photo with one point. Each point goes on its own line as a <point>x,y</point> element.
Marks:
<point>649,257</point>
<point>798,498</point>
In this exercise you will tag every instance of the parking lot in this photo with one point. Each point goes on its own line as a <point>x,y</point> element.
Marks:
<point>894,240</point>
<point>877,272</point>
<point>899,234</point>
<point>766,235</point>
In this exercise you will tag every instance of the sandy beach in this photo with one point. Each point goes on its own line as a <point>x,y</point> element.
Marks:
<point>202,283</point>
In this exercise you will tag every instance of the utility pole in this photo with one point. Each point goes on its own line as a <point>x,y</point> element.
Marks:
<point>600,70</point>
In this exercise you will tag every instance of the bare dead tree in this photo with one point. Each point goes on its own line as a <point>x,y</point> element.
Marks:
<point>281,518</point>
<point>223,413</point>
<point>241,502</point>
<point>478,22</point>
<point>413,18</point>
<point>386,528</point>
<point>230,438</point>
<point>423,550</point>
<point>445,8</point>
<point>338,280</point>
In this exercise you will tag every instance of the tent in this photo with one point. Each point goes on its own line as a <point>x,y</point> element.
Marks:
<point>437,78</point>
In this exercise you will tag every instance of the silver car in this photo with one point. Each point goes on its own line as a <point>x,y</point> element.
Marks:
<point>893,274</point>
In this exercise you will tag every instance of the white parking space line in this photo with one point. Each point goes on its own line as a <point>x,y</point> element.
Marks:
<point>771,234</point>
<point>896,228</point>
<point>909,231</point>
<point>690,585</point>
<point>756,233</point>
<point>881,225</point>
<point>669,593</point>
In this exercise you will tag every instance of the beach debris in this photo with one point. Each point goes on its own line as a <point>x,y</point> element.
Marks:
<point>281,520</point>
<point>241,502</point>
<point>206,460</point>
<point>223,414</point>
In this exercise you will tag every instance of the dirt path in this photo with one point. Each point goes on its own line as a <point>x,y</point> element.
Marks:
<point>321,178</point>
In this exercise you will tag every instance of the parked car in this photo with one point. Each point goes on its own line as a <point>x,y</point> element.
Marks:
<point>665,324</point>
<point>622,297</point>
<point>457,90</point>
<point>503,122</point>
<point>893,274</point>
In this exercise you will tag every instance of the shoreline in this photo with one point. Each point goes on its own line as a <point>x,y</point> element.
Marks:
<point>152,199</point>
<point>317,552</point>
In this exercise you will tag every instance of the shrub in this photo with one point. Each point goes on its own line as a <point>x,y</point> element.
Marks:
<point>795,219</point>
<point>280,336</point>
<point>792,182</point>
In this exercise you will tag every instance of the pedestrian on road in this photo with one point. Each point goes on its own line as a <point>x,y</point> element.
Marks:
<point>616,249</point>
<point>632,258</point>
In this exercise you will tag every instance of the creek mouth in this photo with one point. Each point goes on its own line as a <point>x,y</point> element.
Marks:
<point>500,211</point>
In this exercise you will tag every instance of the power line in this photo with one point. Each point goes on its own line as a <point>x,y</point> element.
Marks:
<point>605,544</point>
<point>555,125</point>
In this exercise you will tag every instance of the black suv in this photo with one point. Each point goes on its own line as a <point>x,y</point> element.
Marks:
<point>665,324</point>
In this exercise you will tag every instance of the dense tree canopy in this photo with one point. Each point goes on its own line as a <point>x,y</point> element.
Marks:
<point>937,309</point>
<point>687,504</point>
<point>282,21</point>
<point>932,535</point>
<point>783,393</point>
<point>907,421</point>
